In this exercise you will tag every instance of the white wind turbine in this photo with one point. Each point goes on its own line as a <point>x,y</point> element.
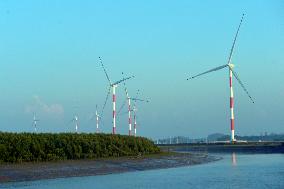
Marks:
<point>35,120</point>
<point>75,120</point>
<point>98,118</point>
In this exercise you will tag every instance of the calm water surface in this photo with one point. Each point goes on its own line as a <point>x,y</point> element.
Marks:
<point>234,171</point>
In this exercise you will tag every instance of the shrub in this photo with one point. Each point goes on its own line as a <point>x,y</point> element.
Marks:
<point>26,147</point>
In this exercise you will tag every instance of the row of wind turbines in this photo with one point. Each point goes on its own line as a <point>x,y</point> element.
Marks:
<point>98,116</point>
<point>113,85</point>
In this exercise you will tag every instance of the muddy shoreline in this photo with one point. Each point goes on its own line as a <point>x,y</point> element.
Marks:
<point>77,168</point>
<point>249,147</point>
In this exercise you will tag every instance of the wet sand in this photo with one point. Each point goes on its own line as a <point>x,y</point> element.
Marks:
<point>76,168</point>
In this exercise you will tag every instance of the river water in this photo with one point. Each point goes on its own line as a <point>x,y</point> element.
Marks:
<point>233,171</point>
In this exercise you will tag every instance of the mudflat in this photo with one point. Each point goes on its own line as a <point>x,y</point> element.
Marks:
<point>77,168</point>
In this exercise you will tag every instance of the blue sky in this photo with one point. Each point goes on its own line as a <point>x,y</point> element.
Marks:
<point>49,64</point>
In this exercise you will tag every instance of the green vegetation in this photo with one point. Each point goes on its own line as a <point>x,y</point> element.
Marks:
<point>31,147</point>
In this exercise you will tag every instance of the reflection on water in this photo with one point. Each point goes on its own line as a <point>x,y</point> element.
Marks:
<point>234,159</point>
<point>252,171</point>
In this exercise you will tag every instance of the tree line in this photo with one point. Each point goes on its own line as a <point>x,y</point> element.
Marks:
<point>32,147</point>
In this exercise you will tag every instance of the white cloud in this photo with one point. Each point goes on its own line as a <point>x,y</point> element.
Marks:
<point>40,106</point>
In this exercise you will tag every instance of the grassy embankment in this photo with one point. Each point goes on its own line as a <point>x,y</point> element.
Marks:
<point>31,147</point>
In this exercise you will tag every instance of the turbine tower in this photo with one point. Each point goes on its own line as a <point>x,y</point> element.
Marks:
<point>232,73</point>
<point>135,122</point>
<point>129,109</point>
<point>76,121</point>
<point>128,99</point>
<point>113,86</point>
<point>135,110</point>
<point>35,120</point>
<point>97,119</point>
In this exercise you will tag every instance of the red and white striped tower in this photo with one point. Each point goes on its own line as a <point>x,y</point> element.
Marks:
<point>135,110</point>
<point>135,124</point>
<point>113,111</point>
<point>232,104</point>
<point>129,108</point>
<point>129,116</point>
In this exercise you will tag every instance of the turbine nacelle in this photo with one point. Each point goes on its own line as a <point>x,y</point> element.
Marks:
<point>231,66</point>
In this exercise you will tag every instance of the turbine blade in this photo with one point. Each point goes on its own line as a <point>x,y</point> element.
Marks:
<point>137,93</point>
<point>125,89</point>
<point>101,121</point>
<point>123,113</point>
<point>92,117</point>
<point>233,46</point>
<point>122,106</point>
<point>127,97</point>
<point>70,121</point>
<point>105,70</point>
<point>242,85</point>
<point>124,79</point>
<point>137,99</point>
<point>212,70</point>
<point>107,96</point>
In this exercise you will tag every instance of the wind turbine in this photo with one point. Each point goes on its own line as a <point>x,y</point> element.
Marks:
<point>135,118</point>
<point>76,121</point>
<point>135,110</point>
<point>35,120</point>
<point>128,99</point>
<point>232,73</point>
<point>129,108</point>
<point>98,119</point>
<point>113,86</point>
